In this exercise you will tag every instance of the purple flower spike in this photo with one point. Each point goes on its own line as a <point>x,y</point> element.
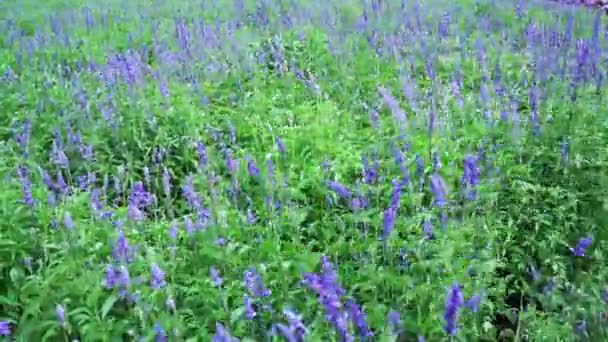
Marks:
<point>582,245</point>
<point>215,276</point>
<point>473,303</point>
<point>339,189</point>
<point>439,189</point>
<point>5,328</point>
<point>157,278</point>
<point>453,302</point>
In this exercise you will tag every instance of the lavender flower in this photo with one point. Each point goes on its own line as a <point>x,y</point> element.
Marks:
<point>215,276</point>
<point>439,189</point>
<point>453,302</point>
<point>339,189</point>
<point>5,328</point>
<point>473,303</point>
<point>157,277</point>
<point>60,310</point>
<point>391,102</point>
<point>581,246</point>
<point>280,145</point>
<point>326,286</point>
<point>222,334</point>
<point>203,156</point>
<point>253,170</point>
<point>68,223</point>
<point>427,227</point>
<point>470,178</point>
<point>388,222</point>
<point>58,157</point>
<point>161,335</point>
<point>254,284</point>
<point>122,251</point>
<point>394,321</point>
<point>359,319</point>
<point>296,329</point>
<point>250,312</point>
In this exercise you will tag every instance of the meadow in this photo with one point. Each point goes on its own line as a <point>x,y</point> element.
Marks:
<point>290,170</point>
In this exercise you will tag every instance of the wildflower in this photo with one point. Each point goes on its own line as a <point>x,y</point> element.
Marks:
<point>161,335</point>
<point>58,157</point>
<point>250,312</point>
<point>394,321</point>
<point>157,278</point>
<point>470,178</point>
<point>428,229</point>
<point>388,222</point>
<point>253,170</point>
<point>453,302</point>
<point>359,319</point>
<point>68,223</point>
<point>254,284</point>
<point>439,189</point>
<point>473,303</point>
<point>393,104</point>
<point>582,245</point>
<point>111,277</point>
<point>280,145</point>
<point>339,189</point>
<point>122,251</point>
<point>5,328</point>
<point>60,310</point>
<point>296,329</point>
<point>222,334</point>
<point>215,276</point>
<point>203,157</point>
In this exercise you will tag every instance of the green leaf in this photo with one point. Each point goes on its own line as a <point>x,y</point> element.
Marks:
<point>107,305</point>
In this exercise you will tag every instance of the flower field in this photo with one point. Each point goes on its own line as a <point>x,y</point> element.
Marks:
<point>290,170</point>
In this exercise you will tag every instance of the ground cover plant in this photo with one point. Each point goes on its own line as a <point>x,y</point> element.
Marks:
<point>303,171</point>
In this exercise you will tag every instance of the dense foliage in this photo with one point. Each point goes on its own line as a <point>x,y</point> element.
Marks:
<point>303,171</point>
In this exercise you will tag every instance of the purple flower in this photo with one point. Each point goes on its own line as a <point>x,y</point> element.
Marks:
<point>254,284</point>
<point>203,156</point>
<point>122,251</point>
<point>427,227</point>
<point>296,329</point>
<point>326,286</point>
<point>60,310</point>
<point>473,303</point>
<point>439,189</point>
<point>394,322</point>
<point>5,328</point>
<point>58,157</point>
<point>393,105</point>
<point>470,178</point>
<point>339,189</point>
<point>388,222</point>
<point>250,312</point>
<point>253,170</point>
<point>582,245</point>
<point>161,335</point>
<point>453,302</point>
<point>222,334</point>
<point>359,319</point>
<point>280,145</point>
<point>111,277</point>
<point>215,276</point>
<point>157,278</point>
<point>68,223</point>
